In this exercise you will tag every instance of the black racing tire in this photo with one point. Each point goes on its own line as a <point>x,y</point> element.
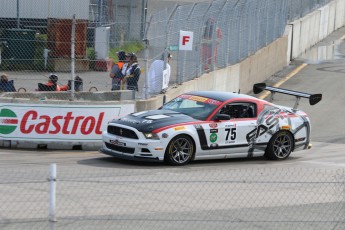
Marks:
<point>180,150</point>
<point>280,146</point>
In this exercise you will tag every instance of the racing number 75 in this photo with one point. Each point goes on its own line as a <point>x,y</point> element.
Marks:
<point>230,132</point>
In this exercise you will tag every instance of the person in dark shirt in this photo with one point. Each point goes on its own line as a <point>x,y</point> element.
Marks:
<point>131,72</point>
<point>6,85</point>
<point>115,73</point>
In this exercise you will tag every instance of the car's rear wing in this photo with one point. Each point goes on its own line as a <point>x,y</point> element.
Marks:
<point>313,98</point>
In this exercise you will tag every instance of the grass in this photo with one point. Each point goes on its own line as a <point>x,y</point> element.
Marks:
<point>133,47</point>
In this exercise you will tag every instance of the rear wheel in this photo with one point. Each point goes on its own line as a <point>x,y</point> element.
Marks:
<point>180,150</point>
<point>280,146</point>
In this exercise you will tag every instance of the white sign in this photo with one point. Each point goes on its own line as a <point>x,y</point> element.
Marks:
<point>52,122</point>
<point>186,40</point>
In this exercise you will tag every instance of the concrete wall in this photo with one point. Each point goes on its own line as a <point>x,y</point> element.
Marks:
<point>317,25</point>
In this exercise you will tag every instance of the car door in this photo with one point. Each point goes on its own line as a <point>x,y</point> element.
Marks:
<point>231,137</point>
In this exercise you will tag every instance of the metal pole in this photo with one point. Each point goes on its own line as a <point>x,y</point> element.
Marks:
<point>143,18</point>
<point>18,19</point>
<point>146,54</point>
<point>101,13</point>
<point>167,39</point>
<point>73,57</point>
<point>52,195</point>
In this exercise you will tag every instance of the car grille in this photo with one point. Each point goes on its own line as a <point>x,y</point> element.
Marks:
<point>122,132</point>
<point>119,148</point>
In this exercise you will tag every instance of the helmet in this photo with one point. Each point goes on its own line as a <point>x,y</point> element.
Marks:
<point>53,78</point>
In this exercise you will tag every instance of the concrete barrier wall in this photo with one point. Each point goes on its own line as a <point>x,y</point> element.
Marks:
<point>331,17</point>
<point>296,34</point>
<point>324,16</point>
<point>317,25</point>
<point>339,14</point>
<point>288,33</point>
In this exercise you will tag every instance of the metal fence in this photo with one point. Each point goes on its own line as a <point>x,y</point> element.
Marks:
<point>175,198</point>
<point>225,32</point>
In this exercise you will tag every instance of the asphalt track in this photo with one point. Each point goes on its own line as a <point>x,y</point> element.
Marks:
<point>305,191</point>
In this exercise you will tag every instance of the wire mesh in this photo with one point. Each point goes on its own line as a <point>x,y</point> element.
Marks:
<point>36,37</point>
<point>275,198</point>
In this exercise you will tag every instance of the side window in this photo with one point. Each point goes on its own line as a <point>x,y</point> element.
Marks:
<point>239,110</point>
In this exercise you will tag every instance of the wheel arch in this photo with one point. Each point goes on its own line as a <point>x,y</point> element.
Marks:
<point>269,152</point>
<point>183,134</point>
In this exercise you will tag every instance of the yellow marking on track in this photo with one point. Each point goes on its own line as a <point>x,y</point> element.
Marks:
<point>287,77</point>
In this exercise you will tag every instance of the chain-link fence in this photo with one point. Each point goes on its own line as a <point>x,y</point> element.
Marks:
<point>39,37</point>
<point>275,198</point>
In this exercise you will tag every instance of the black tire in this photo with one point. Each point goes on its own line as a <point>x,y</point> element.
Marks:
<point>180,150</point>
<point>280,146</point>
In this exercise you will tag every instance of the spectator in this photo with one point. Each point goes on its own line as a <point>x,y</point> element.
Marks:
<point>115,73</point>
<point>6,85</point>
<point>131,72</point>
<point>53,79</point>
<point>209,44</point>
<point>78,84</point>
<point>159,76</point>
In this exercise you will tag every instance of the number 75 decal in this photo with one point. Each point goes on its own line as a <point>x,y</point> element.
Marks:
<point>231,132</point>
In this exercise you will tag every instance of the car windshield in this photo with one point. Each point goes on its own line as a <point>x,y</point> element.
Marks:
<point>197,107</point>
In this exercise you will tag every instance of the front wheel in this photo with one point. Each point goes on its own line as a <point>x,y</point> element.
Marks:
<point>280,146</point>
<point>180,150</point>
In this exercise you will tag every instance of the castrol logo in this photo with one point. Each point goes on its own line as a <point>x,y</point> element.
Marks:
<point>33,122</point>
<point>8,121</point>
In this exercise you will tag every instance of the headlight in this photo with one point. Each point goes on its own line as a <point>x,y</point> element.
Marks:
<point>152,136</point>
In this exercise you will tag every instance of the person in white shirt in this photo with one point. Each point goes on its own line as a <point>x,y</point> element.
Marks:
<point>159,76</point>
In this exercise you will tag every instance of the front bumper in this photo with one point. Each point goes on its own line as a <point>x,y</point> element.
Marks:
<point>127,157</point>
<point>133,149</point>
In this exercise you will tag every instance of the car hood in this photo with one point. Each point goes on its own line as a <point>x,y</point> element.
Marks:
<point>148,121</point>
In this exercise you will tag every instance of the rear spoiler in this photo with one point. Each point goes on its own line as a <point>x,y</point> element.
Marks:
<point>313,98</point>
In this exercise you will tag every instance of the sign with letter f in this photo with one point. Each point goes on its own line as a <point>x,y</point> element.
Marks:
<point>186,40</point>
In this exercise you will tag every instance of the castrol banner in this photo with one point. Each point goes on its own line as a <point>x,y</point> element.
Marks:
<point>51,122</point>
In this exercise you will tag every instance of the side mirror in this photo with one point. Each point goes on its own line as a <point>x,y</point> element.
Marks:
<point>222,117</point>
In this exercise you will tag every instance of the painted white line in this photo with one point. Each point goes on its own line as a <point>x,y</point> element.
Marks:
<point>332,164</point>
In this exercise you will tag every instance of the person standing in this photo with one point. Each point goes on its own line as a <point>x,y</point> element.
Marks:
<point>209,45</point>
<point>115,73</point>
<point>131,72</point>
<point>159,75</point>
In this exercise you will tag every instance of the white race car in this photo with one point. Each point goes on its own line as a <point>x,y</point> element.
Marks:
<point>211,125</point>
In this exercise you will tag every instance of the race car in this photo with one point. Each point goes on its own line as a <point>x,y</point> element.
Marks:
<point>212,125</point>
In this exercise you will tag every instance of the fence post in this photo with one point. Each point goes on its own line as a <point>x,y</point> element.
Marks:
<point>52,193</point>
<point>73,57</point>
